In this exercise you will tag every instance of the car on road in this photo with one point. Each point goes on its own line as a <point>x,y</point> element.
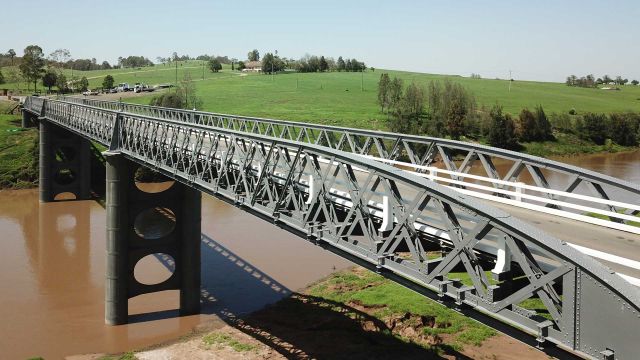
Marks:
<point>90,92</point>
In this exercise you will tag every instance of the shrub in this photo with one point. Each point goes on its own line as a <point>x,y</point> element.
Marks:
<point>593,127</point>
<point>173,100</point>
<point>561,122</point>
<point>572,111</point>
<point>527,129</point>
<point>502,132</point>
<point>623,128</point>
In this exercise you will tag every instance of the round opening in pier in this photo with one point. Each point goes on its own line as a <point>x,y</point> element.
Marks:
<point>64,177</point>
<point>65,154</point>
<point>154,269</point>
<point>154,223</point>
<point>151,181</point>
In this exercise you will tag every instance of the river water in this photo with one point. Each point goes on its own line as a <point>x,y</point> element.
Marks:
<point>52,266</point>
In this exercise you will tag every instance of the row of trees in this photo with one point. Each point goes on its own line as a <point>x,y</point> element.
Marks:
<point>134,62</point>
<point>309,63</point>
<point>447,109</point>
<point>591,81</point>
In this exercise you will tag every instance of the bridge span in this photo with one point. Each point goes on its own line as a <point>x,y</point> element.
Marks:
<point>405,226</point>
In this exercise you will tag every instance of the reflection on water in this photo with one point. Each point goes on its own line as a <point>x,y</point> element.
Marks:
<point>52,267</point>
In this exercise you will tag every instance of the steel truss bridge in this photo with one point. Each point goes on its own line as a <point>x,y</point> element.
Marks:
<point>403,224</point>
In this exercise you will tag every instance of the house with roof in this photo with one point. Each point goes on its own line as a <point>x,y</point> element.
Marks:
<point>252,66</point>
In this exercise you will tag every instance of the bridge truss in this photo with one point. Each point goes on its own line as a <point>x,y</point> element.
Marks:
<point>430,238</point>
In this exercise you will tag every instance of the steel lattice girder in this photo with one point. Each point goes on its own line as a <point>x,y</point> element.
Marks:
<point>419,150</point>
<point>590,309</point>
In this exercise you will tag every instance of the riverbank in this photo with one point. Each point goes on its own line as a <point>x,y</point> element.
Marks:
<point>352,313</point>
<point>18,152</point>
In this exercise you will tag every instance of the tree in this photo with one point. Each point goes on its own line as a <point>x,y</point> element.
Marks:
<point>2,81</point>
<point>188,90</point>
<point>527,129</point>
<point>253,55</point>
<point>342,66</point>
<point>49,79</point>
<point>501,129</point>
<point>32,65</point>
<point>544,130</point>
<point>60,57</point>
<point>323,64</point>
<point>84,84</point>
<point>108,81</point>
<point>407,116</point>
<point>214,65</point>
<point>383,91</point>
<point>635,82</point>
<point>395,93</point>
<point>61,83</point>
<point>623,128</point>
<point>451,109</point>
<point>593,127</point>
<point>11,53</point>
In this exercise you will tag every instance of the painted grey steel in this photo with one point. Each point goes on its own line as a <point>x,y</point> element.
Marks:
<point>127,242</point>
<point>586,307</point>
<point>420,150</point>
<point>63,153</point>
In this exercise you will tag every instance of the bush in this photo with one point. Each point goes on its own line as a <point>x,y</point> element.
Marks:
<point>561,122</point>
<point>527,129</point>
<point>502,132</point>
<point>623,128</point>
<point>572,111</point>
<point>593,127</point>
<point>173,100</point>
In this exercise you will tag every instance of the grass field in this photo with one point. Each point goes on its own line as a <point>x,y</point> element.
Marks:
<point>336,98</point>
<point>18,149</point>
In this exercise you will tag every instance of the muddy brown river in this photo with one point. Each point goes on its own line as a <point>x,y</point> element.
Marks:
<point>52,265</point>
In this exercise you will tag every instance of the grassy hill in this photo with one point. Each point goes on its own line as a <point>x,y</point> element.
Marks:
<point>336,98</point>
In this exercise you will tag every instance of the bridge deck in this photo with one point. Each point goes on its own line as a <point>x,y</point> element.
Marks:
<point>595,237</point>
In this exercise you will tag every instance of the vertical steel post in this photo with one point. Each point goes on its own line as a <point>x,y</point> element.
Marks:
<point>26,119</point>
<point>117,276</point>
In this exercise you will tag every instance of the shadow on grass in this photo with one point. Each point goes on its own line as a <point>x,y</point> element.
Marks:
<point>293,324</point>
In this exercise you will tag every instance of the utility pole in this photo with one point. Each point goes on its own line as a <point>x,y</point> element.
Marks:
<point>510,80</point>
<point>203,70</point>
<point>176,61</point>
<point>361,80</point>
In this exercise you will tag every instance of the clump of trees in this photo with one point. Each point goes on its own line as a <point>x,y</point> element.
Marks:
<point>32,64</point>
<point>534,126</point>
<point>502,129</point>
<point>590,81</point>
<point>272,63</point>
<point>621,128</point>
<point>134,62</point>
<point>214,65</point>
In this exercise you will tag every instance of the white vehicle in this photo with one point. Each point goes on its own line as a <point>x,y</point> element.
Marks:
<point>123,87</point>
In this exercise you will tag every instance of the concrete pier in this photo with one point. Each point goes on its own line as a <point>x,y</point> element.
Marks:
<point>174,230</point>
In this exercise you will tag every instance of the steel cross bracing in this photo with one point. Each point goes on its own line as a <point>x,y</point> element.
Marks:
<point>586,307</point>
<point>457,156</point>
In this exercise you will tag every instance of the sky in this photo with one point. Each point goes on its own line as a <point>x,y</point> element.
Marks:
<point>535,40</point>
